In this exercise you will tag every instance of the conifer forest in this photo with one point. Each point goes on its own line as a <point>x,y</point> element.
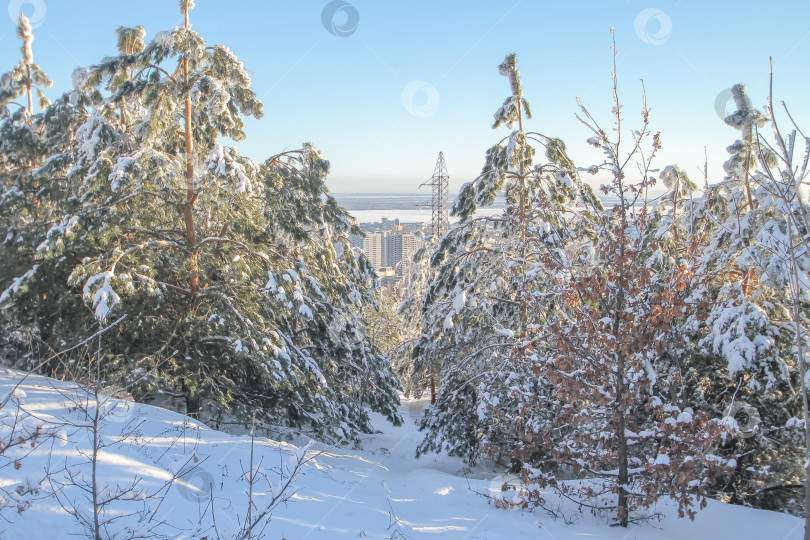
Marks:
<point>195,346</point>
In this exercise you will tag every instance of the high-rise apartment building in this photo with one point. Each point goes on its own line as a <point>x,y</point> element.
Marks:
<point>390,245</point>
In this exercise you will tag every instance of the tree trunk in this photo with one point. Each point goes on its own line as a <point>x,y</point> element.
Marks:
<point>28,89</point>
<point>802,373</point>
<point>524,307</point>
<point>193,404</point>
<point>30,112</point>
<point>622,512</point>
<point>188,207</point>
<point>621,507</point>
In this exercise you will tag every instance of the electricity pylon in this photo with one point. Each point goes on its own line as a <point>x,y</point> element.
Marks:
<point>440,218</point>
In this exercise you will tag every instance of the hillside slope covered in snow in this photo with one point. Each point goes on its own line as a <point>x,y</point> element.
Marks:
<point>166,476</point>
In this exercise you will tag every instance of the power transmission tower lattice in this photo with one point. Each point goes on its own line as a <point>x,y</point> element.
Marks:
<point>440,218</point>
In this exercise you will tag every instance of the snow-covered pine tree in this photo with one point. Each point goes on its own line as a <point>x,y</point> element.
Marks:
<point>782,179</point>
<point>744,364</point>
<point>21,139</point>
<point>21,148</point>
<point>592,388</point>
<point>477,331</point>
<point>415,381</point>
<point>26,80</point>
<point>239,288</point>
<point>319,301</point>
<point>679,192</point>
<point>26,202</point>
<point>622,420</point>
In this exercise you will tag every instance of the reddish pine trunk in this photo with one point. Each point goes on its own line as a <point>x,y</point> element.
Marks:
<point>188,215</point>
<point>30,112</point>
<point>28,88</point>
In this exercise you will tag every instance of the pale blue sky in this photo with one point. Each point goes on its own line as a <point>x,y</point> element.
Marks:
<point>411,78</point>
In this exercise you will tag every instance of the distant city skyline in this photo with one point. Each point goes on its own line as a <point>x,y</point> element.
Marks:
<point>382,87</point>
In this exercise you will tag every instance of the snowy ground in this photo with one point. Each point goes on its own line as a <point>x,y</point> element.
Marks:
<point>185,469</point>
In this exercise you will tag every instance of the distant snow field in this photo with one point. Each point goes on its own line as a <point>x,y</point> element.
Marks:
<point>409,216</point>
<point>161,475</point>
